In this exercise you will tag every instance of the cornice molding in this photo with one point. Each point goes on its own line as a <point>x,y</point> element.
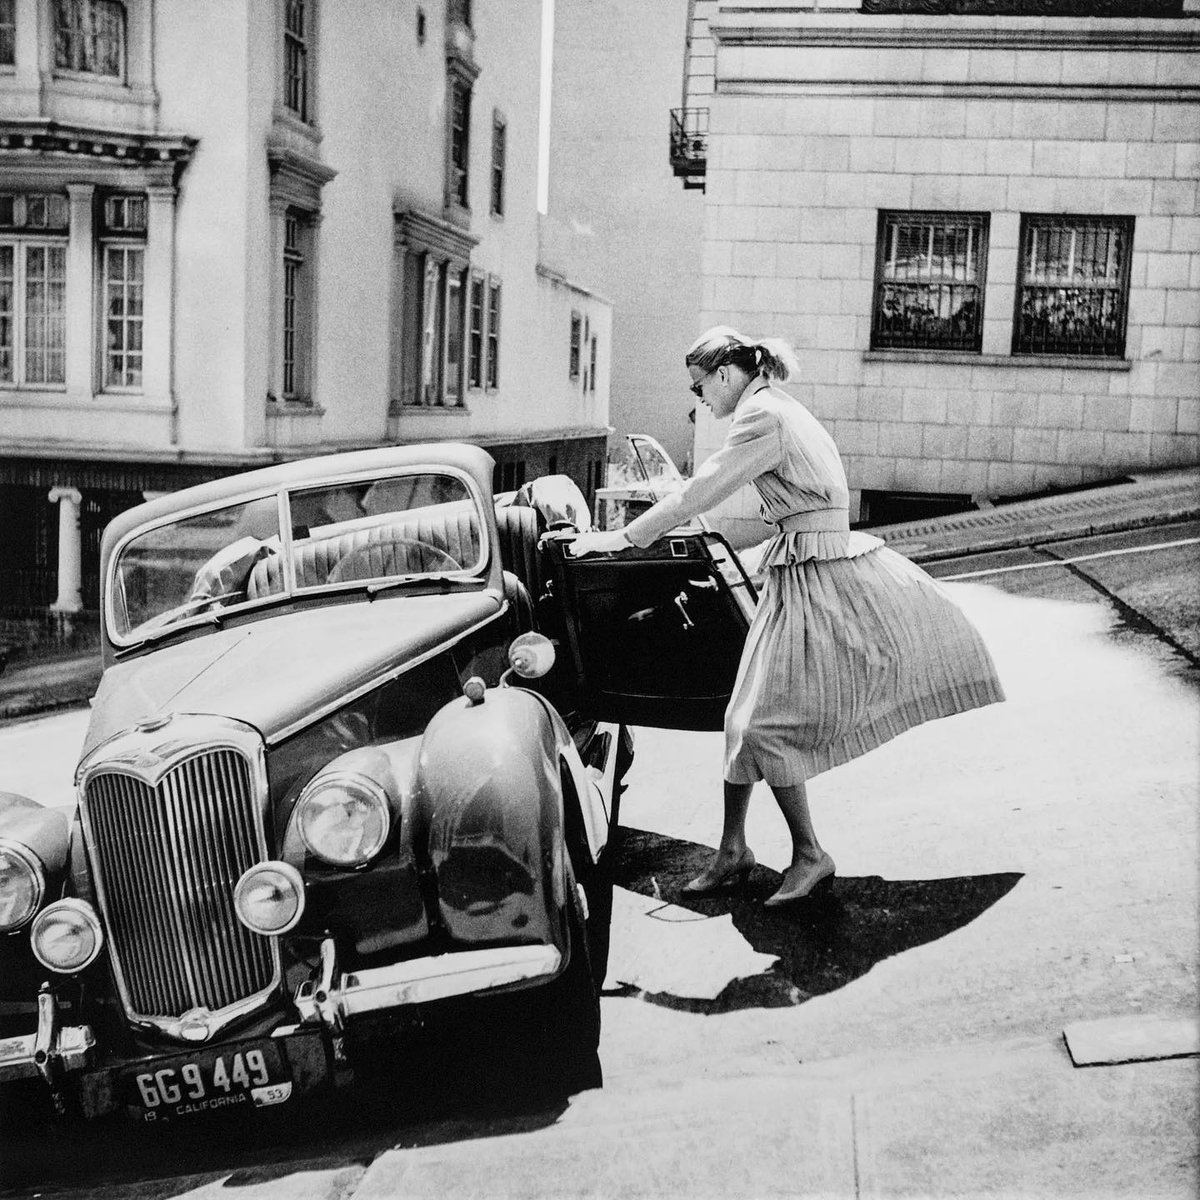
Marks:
<point>425,232</point>
<point>1148,93</point>
<point>40,137</point>
<point>959,33</point>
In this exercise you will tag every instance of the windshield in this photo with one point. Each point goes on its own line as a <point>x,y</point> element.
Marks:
<point>364,531</point>
<point>638,476</point>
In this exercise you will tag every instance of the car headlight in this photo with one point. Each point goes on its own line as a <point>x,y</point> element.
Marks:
<point>66,936</point>
<point>343,819</point>
<point>22,885</point>
<point>269,898</point>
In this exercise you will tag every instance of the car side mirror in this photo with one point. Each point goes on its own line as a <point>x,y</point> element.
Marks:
<point>531,655</point>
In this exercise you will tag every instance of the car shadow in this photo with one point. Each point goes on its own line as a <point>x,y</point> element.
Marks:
<point>821,944</point>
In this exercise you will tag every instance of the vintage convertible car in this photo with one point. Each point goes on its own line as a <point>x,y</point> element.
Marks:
<point>350,774</point>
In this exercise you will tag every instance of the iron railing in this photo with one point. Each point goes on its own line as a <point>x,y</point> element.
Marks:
<point>689,141</point>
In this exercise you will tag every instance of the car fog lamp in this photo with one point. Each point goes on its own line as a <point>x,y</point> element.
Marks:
<point>269,898</point>
<point>531,655</point>
<point>344,819</point>
<point>21,885</point>
<point>66,936</point>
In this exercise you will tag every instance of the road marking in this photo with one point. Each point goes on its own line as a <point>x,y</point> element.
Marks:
<point>1062,562</point>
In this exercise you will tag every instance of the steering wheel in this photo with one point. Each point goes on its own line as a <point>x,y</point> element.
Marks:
<point>425,557</point>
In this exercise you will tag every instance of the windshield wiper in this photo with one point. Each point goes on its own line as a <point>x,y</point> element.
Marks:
<point>443,580</point>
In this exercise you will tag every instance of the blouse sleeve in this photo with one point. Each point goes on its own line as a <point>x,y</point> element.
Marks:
<point>753,445</point>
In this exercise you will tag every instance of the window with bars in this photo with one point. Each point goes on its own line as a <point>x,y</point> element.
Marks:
<point>295,57</point>
<point>89,37</point>
<point>8,33</point>
<point>295,306</point>
<point>499,150</point>
<point>1073,289</point>
<point>475,335</point>
<point>493,334</point>
<point>929,280</point>
<point>33,286</point>
<point>460,137</point>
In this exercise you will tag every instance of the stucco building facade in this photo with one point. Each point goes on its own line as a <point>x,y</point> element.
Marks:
<point>980,228</point>
<point>249,230</point>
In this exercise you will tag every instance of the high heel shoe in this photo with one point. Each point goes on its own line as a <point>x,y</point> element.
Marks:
<point>817,885</point>
<point>710,881</point>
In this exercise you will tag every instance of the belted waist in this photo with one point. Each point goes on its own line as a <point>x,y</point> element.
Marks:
<point>823,520</point>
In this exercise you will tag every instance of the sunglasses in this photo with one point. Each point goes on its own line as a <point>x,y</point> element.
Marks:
<point>697,388</point>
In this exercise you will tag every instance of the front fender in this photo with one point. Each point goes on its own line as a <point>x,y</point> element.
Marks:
<point>489,787</point>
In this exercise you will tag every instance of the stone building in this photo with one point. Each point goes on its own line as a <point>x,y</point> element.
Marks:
<point>979,227</point>
<point>240,231</point>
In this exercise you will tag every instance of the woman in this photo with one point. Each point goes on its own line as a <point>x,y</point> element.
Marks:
<point>851,644</point>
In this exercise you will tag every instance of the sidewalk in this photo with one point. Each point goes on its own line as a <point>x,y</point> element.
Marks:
<point>34,685</point>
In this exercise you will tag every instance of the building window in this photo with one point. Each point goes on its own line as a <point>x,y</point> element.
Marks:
<point>592,369</point>
<point>455,298</point>
<point>1073,293</point>
<point>576,343</point>
<point>33,285</point>
<point>499,137</point>
<point>493,334</point>
<point>297,305</point>
<point>89,37</point>
<point>475,335</point>
<point>460,12</point>
<point>929,280</point>
<point>460,136</point>
<point>8,33</point>
<point>295,57</point>
<point>432,312</point>
<point>124,289</point>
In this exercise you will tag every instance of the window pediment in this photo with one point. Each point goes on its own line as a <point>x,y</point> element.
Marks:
<point>420,231</point>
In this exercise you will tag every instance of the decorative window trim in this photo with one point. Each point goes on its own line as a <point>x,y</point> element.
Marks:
<point>900,299</point>
<point>445,248</point>
<point>1112,240</point>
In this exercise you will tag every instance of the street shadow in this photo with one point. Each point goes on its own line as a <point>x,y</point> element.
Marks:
<point>400,1101</point>
<point>821,944</point>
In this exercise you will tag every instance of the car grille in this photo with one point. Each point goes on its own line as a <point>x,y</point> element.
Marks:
<point>167,857</point>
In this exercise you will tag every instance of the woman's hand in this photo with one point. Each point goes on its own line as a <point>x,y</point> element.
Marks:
<point>598,543</point>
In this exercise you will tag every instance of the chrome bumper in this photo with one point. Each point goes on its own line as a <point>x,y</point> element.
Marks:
<point>333,997</point>
<point>51,1050</point>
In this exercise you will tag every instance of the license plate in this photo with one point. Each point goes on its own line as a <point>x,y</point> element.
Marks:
<point>251,1074</point>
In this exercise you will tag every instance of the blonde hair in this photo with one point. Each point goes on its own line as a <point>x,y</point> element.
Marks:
<point>721,345</point>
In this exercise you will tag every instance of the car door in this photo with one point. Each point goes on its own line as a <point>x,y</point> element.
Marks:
<point>655,635</point>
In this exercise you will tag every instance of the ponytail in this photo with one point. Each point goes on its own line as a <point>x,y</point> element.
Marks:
<point>770,357</point>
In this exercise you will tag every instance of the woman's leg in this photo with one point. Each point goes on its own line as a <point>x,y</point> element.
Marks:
<point>810,863</point>
<point>733,860</point>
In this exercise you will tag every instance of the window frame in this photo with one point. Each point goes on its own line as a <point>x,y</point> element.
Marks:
<point>890,223</point>
<point>298,268</point>
<point>76,37</point>
<point>492,336</point>
<point>21,246</point>
<point>8,33</point>
<point>573,362</point>
<point>476,331</point>
<point>458,140</point>
<point>592,369</point>
<point>296,87</point>
<point>1120,230</point>
<point>499,163</point>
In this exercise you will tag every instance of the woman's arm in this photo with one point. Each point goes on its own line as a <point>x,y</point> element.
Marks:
<point>752,446</point>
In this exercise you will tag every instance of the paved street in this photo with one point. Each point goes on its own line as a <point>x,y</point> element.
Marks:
<point>1002,874</point>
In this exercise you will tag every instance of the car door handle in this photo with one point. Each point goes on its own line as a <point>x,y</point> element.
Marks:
<point>681,604</point>
<point>702,583</point>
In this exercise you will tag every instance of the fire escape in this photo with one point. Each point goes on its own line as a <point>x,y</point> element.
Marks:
<point>689,145</point>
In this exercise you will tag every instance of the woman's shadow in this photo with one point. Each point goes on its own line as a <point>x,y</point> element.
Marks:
<point>821,944</point>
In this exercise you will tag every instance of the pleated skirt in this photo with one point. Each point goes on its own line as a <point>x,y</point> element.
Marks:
<point>842,655</point>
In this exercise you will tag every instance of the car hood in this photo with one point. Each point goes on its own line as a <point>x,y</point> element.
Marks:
<point>275,672</point>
